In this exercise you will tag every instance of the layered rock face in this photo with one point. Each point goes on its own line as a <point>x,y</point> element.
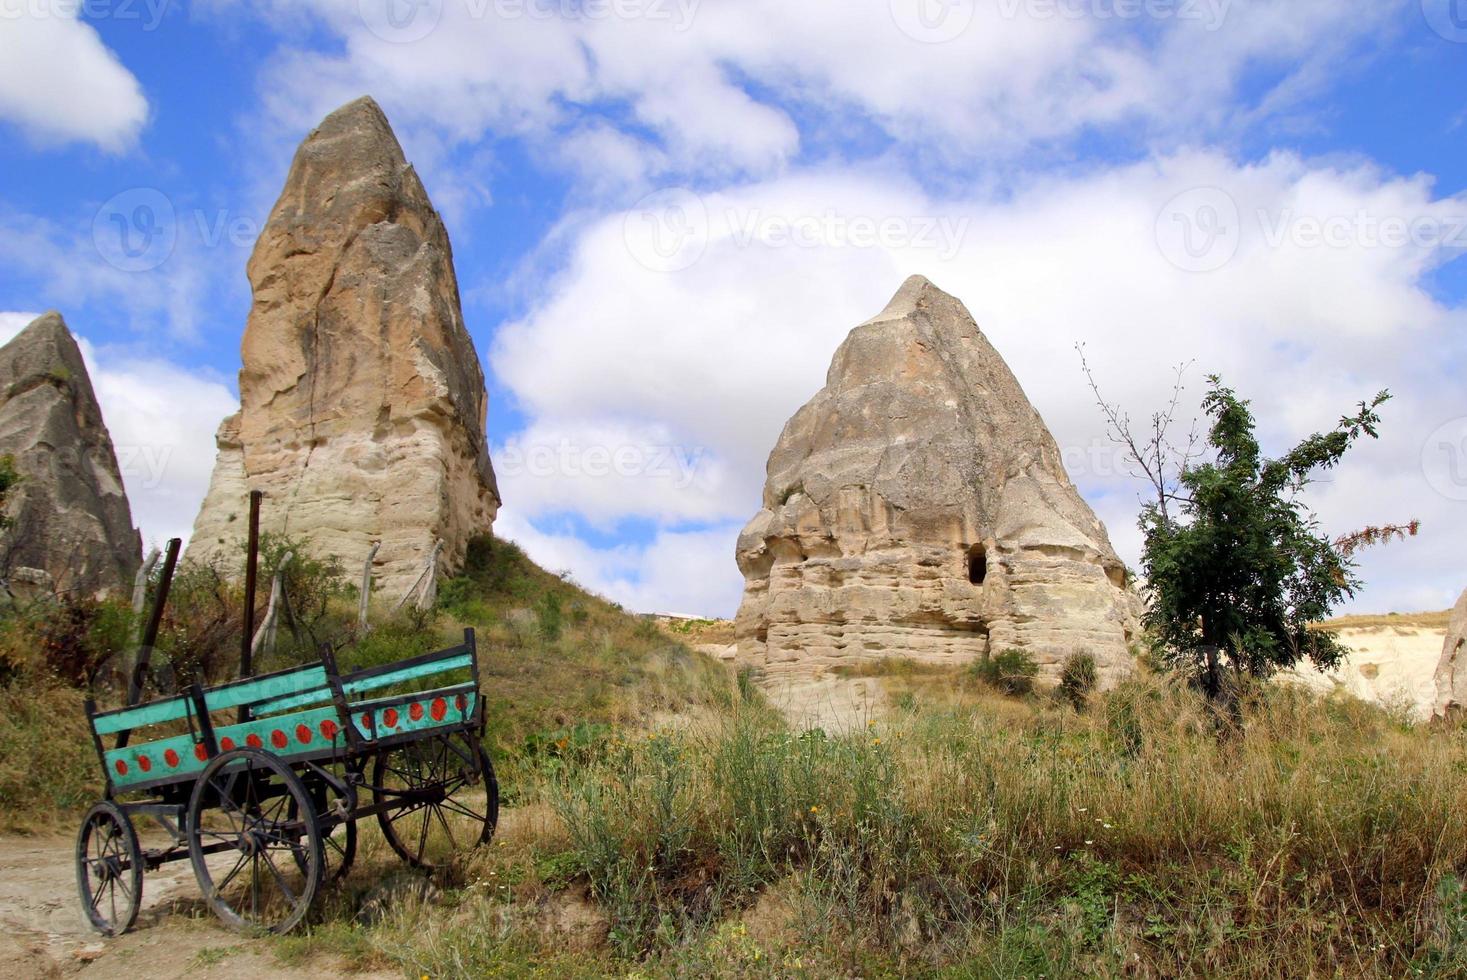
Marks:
<point>362,402</point>
<point>1451,672</point>
<point>917,507</point>
<point>72,527</point>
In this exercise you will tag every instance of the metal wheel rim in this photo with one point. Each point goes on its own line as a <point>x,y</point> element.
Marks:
<point>109,870</point>
<point>270,840</point>
<point>419,764</point>
<point>338,843</point>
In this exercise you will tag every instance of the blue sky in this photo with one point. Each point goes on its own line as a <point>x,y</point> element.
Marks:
<point>666,214</point>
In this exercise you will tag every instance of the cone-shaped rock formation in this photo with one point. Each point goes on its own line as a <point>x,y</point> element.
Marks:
<point>362,402</point>
<point>71,525</point>
<point>917,507</point>
<point>1451,672</point>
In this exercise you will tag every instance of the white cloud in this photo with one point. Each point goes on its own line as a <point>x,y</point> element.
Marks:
<point>677,572</point>
<point>166,454</point>
<point>716,88</point>
<point>1314,311</point>
<point>59,83</point>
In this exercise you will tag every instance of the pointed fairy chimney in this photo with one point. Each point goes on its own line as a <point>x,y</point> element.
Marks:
<point>917,507</point>
<point>71,527</point>
<point>362,400</point>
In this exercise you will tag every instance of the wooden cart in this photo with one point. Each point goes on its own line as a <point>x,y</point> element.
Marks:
<point>260,784</point>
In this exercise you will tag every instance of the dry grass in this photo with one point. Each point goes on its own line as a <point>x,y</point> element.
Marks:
<point>971,836</point>
<point>1425,620</point>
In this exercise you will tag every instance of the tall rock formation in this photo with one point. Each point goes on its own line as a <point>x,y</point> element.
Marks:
<point>362,402</point>
<point>917,507</point>
<point>1451,671</point>
<point>72,528</point>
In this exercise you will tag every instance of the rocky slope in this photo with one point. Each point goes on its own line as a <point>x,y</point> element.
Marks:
<point>362,402</point>
<point>72,527</point>
<point>1451,671</point>
<point>917,507</point>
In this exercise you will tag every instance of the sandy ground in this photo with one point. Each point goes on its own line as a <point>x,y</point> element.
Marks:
<point>44,934</point>
<point>1392,665</point>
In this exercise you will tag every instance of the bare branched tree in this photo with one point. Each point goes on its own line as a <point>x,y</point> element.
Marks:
<point>1154,456</point>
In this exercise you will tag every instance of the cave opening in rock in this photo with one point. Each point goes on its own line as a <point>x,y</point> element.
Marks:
<point>977,564</point>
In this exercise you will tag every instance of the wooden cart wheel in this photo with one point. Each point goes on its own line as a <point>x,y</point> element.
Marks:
<point>255,841</point>
<point>338,833</point>
<point>109,869</point>
<point>440,797</point>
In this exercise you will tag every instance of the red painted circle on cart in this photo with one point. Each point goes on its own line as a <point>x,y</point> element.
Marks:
<point>416,711</point>
<point>226,743</point>
<point>440,708</point>
<point>121,768</point>
<point>253,741</point>
<point>144,763</point>
<point>389,717</point>
<point>201,752</point>
<point>171,757</point>
<point>460,702</point>
<point>279,739</point>
<point>328,729</point>
<point>302,734</point>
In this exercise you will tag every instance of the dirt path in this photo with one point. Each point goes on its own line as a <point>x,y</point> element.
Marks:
<point>42,933</point>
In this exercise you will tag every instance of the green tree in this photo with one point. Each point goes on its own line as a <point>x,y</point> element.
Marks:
<point>8,478</point>
<point>1239,569</point>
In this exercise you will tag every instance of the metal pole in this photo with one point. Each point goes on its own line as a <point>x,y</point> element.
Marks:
<point>150,632</point>
<point>252,569</point>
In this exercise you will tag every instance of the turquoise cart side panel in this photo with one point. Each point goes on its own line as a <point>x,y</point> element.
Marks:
<point>287,735</point>
<point>435,709</point>
<point>458,662</point>
<point>297,682</point>
<point>153,713</point>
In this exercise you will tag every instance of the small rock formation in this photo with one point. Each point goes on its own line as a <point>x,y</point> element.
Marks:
<point>1451,672</point>
<point>72,527</point>
<point>917,507</point>
<point>362,402</point>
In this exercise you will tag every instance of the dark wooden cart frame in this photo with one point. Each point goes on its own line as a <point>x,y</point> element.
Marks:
<point>289,779</point>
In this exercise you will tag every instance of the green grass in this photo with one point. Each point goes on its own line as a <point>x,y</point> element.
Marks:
<point>661,821</point>
<point>974,837</point>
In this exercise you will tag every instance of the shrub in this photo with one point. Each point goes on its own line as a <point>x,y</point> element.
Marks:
<point>1077,680</point>
<point>1010,671</point>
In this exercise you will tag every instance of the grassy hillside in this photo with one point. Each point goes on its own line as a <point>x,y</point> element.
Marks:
<point>662,821</point>
<point>559,667</point>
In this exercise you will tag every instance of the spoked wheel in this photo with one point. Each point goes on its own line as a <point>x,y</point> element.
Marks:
<point>109,869</point>
<point>441,798</point>
<point>255,841</point>
<point>338,831</point>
